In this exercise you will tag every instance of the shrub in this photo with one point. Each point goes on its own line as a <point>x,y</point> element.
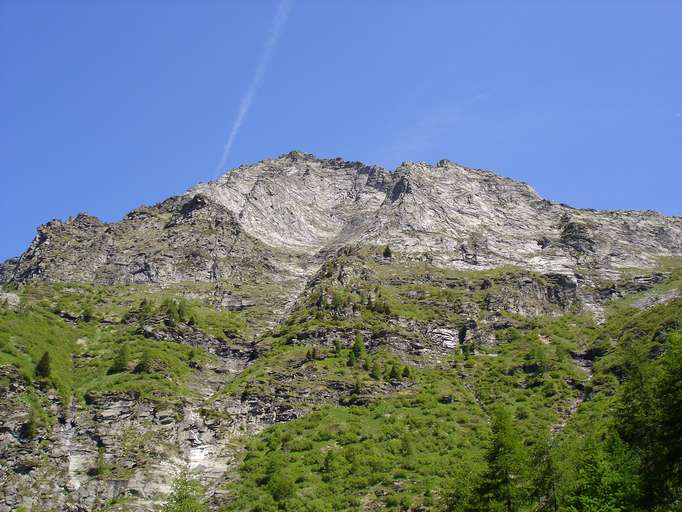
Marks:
<point>188,496</point>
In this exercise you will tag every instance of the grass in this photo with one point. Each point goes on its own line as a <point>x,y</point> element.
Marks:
<point>83,327</point>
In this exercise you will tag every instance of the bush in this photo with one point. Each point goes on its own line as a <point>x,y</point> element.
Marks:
<point>188,496</point>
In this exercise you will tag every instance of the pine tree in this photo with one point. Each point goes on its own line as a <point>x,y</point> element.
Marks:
<point>145,363</point>
<point>503,486</point>
<point>395,373</point>
<point>351,359</point>
<point>375,372</point>
<point>29,429</point>
<point>406,373</point>
<point>387,252</point>
<point>43,368</point>
<point>120,363</point>
<point>359,346</point>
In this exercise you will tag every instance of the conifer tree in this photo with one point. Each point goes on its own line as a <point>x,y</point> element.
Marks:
<point>503,486</point>
<point>28,429</point>
<point>44,368</point>
<point>120,363</point>
<point>359,346</point>
<point>145,363</point>
<point>375,372</point>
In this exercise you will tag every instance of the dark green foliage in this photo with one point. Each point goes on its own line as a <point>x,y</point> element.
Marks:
<point>188,496</point>
<point>406,373</point>
<point>375,371</point>
<point>650,419</point>
<point>394,373</point>
<point>504,483</point>
<point>352,360</point>
<point>44,367</point>
<point>606,478</point>
<point>387,253</point>
<point>359,346</point>
<point>30,427</point>
<point>121,360</point>
<point>144,365</point>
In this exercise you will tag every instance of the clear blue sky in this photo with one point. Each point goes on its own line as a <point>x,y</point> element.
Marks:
<point>105,106</point>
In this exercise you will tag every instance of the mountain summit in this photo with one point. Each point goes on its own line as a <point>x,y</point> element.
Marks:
<point>323,335</point>
<point>285,213</point>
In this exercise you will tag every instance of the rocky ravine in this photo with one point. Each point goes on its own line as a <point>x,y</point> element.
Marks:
<point>300,224</point>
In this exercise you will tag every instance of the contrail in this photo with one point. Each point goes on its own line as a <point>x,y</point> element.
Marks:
<point>245,104</point>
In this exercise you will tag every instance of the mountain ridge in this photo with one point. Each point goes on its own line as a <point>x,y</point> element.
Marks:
<point>454,216</point>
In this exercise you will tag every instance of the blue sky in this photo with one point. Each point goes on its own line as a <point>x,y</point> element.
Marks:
<point>105,106</point>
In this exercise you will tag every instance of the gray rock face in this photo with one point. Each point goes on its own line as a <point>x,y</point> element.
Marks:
<point>452,215</point>
<point>273,218</point>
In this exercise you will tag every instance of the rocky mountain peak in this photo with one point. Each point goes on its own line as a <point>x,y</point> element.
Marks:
<point>293,288</point>
<point>300,206</point>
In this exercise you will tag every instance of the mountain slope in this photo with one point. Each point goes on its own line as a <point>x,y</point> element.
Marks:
<point>377,319</point>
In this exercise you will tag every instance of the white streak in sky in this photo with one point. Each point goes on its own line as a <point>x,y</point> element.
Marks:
<point>245,104</point>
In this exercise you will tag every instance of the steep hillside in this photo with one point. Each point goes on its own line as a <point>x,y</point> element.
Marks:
<point>308,334</point>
